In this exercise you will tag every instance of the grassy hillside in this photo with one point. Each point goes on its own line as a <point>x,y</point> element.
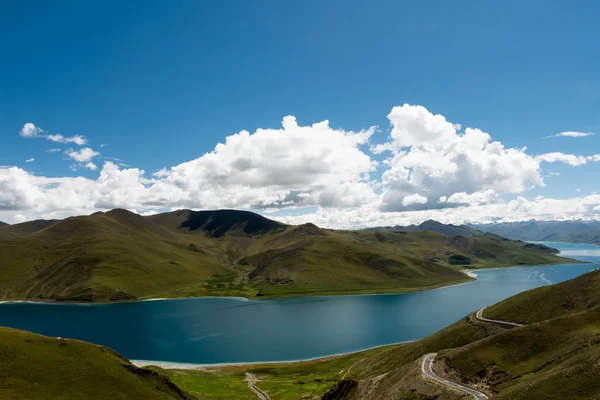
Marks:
<point>26,228</point>
<point>119,255</point>
<point>39,367</point>
<point>554,359</point>
<point>548,302</point>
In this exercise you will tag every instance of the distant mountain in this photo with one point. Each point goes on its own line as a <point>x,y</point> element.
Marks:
<point>24,228</point>
<point>435,226</point>
<point>120,255</point>
<point>550,231</point>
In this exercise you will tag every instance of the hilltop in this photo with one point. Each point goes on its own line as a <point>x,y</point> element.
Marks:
<point>549,231</point>
<point>120,255</point>
<point>40,367</point>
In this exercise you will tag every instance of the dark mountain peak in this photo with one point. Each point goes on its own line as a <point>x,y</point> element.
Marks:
<point>217,223</point>
<point>3,223</point>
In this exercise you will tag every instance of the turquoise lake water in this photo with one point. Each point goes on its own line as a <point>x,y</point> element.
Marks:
<point>224,330</point>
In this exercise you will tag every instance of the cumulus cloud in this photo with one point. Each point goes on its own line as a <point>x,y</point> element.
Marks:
<point>572,134</point>
<point>430,157</point>
<point>30,160</point>
<point>84,155</point>
<point>432,169</point>
<point>296,165</point>
<point>29,130</point>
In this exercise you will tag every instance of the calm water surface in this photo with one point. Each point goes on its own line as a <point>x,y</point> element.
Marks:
<point>222,330</point>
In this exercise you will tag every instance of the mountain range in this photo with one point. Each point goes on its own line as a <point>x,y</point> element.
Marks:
<point>580,231</point>
<point>120,255</point>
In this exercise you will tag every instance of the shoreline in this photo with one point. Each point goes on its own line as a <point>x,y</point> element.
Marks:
<point>468,272</point>
<point>199,367</point>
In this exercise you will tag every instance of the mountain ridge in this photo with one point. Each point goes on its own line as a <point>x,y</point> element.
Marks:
<point>434,226</point>
<point>576,231</point>
<point>120,255</point>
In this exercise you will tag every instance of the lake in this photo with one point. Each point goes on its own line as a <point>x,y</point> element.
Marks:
<point>224,330</point>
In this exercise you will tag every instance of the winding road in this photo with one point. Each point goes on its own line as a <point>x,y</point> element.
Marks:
<point>504,324</point>
<point>428,371</point>
<point>252,381</point>
<point>428,359</point>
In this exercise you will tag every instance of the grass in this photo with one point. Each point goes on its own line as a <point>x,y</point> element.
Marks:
<point>552,301</point>
<point>120,255</point>
<point>284,381</point>
<point>543,358</point>
<point>39,367</point>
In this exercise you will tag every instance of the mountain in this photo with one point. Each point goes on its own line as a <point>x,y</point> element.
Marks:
<point>25,228</point>
<point>549,231</point>
<point>120,255</point>
<point>554,357</point>
<point>435,226</point>
<point>40,367</point>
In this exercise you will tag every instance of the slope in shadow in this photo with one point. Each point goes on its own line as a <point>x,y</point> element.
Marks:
<point>219,222</point>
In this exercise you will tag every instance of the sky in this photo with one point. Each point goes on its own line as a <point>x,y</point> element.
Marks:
<point>346,114</point>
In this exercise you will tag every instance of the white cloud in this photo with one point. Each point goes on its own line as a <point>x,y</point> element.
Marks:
<point>29,130</point>
<point>520,209</point>
<point>84,155</point>
<point>570,159</point>
<point>53,150</point>
<point>431,158</point>
<point>415,125</point>
<point>572,134</point>
<point>30,160</point>
<point>414,199</point>
<point>296,165</point>
<point>477,198</point>
<point>77,139</point>
<point>433,170</point>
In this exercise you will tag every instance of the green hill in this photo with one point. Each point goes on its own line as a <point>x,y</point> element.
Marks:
<point>25,228</point>
<point>556,357</point>
<point>39,367</point>
<point>119,255</point>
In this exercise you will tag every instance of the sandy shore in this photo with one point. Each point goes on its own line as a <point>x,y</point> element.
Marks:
<point>176,365</point>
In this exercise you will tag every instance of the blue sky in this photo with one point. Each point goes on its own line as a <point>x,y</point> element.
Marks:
<point>157,84</point>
